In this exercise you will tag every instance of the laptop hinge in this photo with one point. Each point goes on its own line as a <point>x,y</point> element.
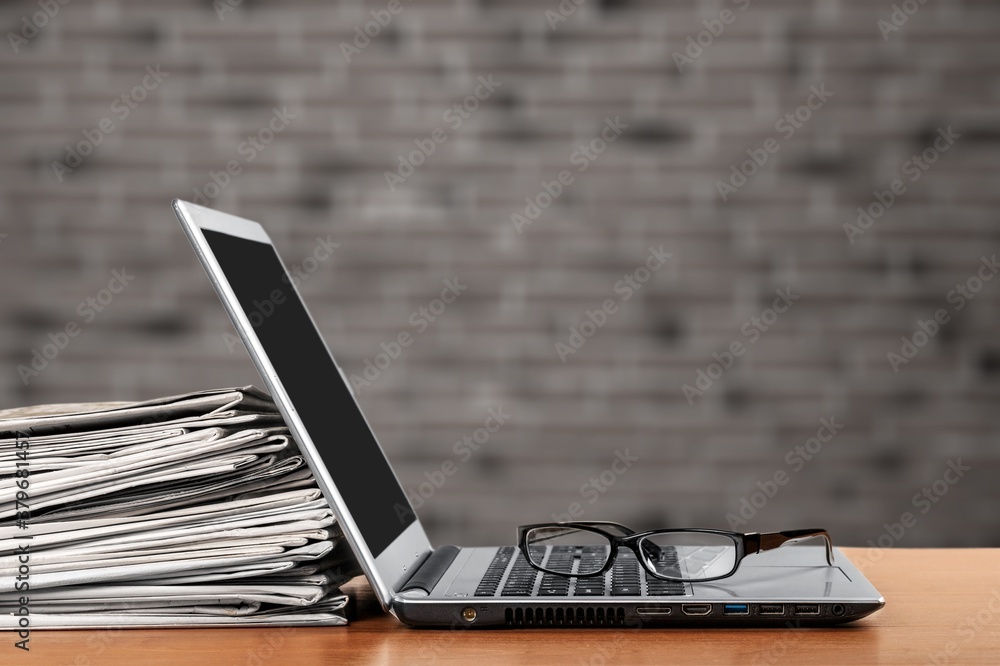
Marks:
<point>427,574</point>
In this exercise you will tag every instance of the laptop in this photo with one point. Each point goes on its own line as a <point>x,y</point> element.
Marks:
<point>452,586</point>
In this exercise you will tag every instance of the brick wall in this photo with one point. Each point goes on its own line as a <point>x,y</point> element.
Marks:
<point>877,99</point>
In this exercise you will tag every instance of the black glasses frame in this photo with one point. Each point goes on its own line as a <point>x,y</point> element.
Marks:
<point>750,543</point>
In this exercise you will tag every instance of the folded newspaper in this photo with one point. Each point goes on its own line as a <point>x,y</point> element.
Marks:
<point>190,510</point>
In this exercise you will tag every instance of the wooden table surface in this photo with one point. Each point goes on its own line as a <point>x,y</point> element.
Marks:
<point>937,601</point>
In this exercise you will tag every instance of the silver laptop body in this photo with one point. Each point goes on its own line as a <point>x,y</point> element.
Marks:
<point>451,586</point>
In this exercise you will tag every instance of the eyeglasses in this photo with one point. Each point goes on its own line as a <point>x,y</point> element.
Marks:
<point>589,548</point>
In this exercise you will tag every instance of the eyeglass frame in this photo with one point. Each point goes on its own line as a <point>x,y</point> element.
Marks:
<point>749,543</point>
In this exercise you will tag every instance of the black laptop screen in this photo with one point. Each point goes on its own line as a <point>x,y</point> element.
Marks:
<point>319,395</point>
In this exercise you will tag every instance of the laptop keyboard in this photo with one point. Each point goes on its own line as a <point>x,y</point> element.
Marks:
<point>510,575</point>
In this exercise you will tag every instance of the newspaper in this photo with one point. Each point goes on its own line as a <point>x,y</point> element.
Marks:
<point>187,510</point>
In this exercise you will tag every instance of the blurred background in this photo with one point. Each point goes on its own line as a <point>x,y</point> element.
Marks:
<point>390,155</point>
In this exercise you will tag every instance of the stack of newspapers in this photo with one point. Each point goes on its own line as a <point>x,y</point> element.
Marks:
<point>191,510</point>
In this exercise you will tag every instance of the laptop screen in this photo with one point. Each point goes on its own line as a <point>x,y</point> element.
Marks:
<point>321,398</point>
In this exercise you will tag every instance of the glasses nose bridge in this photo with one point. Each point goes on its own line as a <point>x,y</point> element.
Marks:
<point>629,544</point>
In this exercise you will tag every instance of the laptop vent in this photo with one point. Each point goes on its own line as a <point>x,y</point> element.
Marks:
<point>564,617</point>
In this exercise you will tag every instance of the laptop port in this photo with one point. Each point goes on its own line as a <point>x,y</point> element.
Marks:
<point>771,609</point>
<point>806,609</point>
<point>839,609</point>
<point>696,609</point>
<point>653,611</point>
<point>736,609</point>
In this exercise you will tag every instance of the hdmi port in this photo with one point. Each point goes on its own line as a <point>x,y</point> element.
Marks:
<point>696,609</point>
<point>807,609</point>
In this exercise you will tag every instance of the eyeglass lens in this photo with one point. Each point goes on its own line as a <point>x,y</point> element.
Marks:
<point>689,555</point>
<point>566,550</point>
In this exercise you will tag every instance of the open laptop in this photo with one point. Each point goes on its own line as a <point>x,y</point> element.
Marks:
<point>450,586</point>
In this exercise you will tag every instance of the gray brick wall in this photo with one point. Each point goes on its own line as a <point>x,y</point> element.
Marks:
<point>323,175</point>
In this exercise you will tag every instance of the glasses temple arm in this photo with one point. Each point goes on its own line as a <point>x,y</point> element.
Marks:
<point>537,540</point>
<point>759,542</point>
<point>589,523</point>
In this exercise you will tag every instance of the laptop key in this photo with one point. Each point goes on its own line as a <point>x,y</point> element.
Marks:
<point>494,572</point>
<point>657,587</point>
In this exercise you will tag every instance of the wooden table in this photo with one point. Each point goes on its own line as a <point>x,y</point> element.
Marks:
<point>936,601</point>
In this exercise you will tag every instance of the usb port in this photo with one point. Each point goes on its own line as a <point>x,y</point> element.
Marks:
<point>807,609</point>
<point>736,609</point>
<point>696,609</point>
<point>771,609</point>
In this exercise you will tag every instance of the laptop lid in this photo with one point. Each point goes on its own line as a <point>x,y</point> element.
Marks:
<point>311,392</point>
